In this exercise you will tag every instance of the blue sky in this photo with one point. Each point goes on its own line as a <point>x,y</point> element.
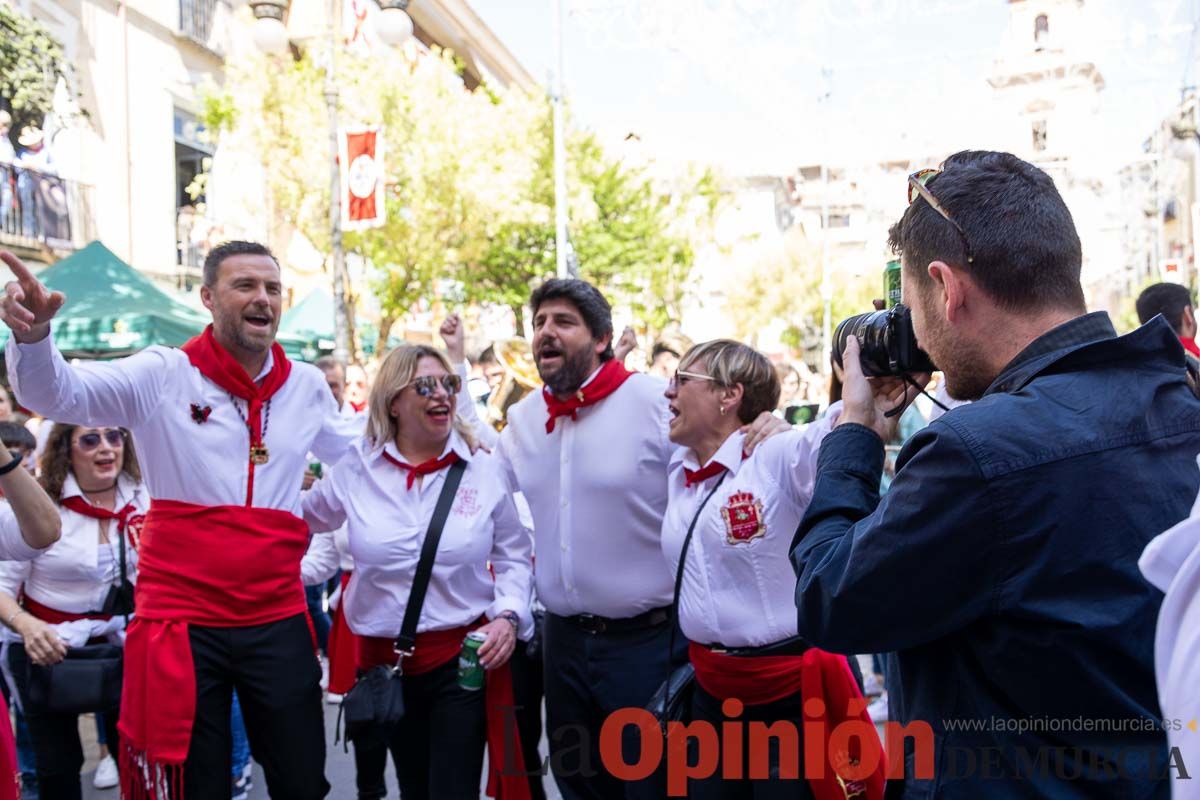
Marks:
<point>742,83</point>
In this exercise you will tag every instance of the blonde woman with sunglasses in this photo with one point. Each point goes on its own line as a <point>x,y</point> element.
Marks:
<point>386,491</point>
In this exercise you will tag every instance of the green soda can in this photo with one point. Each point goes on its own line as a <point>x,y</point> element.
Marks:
<point>891,283</point>
<point>470,671</point>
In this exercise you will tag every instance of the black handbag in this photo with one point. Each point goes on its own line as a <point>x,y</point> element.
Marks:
<point>672,702</point>
<point>376,701</point>
<point>89,678</point>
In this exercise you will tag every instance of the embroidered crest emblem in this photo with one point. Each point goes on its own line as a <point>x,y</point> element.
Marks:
<point>467,503</point>
<point>200,415</point>
<point>133,530</point>
<point>743,515</point>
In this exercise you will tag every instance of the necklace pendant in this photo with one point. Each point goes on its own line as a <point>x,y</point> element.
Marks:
<point>259,455</point>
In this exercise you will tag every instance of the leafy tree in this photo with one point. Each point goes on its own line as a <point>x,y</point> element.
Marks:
<point>784,286</point>
<point>630,237</point>
<point>31,62</point>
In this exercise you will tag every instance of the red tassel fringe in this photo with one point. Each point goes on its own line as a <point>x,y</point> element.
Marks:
<point>145,780</point>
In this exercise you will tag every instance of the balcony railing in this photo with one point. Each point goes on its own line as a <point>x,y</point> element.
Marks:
<point>196,19</point>
<point>41,209</point>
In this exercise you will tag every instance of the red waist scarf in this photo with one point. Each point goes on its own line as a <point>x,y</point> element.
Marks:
<point>434,649</point>
<point>217,566</point>
<point>53,616</point>
<point>342,647</point>
<point>607,380</point>
<point>765,679</point>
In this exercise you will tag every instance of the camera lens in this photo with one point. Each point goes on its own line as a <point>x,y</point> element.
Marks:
<point>872,330</point>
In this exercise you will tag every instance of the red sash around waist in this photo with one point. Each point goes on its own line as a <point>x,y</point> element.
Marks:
<point>506,760</point>
<point>765,679</point>
<point>53,616</point>
<point>215,566</point>
<point>342,647</point>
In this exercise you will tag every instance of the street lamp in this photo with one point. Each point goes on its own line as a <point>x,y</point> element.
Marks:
<point>393,26</point>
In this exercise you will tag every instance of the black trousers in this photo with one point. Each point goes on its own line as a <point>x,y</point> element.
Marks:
<point>56,744</point>
<point>588,677</point>
<point>275,671</point>
<point>437,746</point>
<point>707,708</point>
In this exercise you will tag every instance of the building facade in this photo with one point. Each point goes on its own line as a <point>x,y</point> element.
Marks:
<point>132,145</point>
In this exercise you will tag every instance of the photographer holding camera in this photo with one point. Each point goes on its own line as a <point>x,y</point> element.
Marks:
<point>1000,570</point>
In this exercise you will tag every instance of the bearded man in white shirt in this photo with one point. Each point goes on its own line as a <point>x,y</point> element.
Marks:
<point>219,603</point>
<point>590,452</point>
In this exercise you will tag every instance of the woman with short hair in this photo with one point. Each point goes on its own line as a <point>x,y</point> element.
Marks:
<point>730,520</point>
<point>385,491</point>
<point>75,593</point>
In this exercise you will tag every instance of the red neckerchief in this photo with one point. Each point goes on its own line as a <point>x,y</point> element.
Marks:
<point>215,363</point>
<point>610,377</point>
<point>691,477</point>
<point>81,506</point>
<point>1189,344</point>
<point>425,467</point>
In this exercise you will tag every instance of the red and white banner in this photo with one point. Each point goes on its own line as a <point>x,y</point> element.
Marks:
<point>360,158</point>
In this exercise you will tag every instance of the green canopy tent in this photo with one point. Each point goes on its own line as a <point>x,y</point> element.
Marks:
<point>112,310</point>
<point>312,320</point>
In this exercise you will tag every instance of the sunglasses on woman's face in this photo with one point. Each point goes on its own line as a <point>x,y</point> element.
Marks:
<point>426,385</point>
<point>90,441</point>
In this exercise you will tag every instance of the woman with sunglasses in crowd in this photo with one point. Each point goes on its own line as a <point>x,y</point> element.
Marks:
<point>730,520</point>
<point>80,590</point>
<point>386,491</point>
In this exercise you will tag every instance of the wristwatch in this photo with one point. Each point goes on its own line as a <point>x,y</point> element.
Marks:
<point>512,617</point>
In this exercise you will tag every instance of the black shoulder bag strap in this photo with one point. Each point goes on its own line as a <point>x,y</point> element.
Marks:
<point>416,597</point>
<point>683,551</point>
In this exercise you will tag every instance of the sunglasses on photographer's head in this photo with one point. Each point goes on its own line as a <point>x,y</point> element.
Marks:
<point>426,385</point>
<point>917,188</point>
<point>90,441</point>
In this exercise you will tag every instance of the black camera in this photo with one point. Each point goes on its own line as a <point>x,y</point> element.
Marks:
<point>887,343</point>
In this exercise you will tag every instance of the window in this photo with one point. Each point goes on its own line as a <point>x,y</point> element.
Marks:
<point>1039,136</point>
<point>1041,31</point>
<point>838,221</point>
<point>196,19</point>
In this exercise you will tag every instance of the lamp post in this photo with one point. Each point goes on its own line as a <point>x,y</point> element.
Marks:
<point>393,27</point>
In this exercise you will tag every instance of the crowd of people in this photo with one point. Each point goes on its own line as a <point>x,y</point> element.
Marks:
<point>696,548</point>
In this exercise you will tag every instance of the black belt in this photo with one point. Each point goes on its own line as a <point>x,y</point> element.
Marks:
<point>591,623</point>
<point>794,646</point>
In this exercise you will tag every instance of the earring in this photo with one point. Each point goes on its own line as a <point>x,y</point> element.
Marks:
<point>722,411</point>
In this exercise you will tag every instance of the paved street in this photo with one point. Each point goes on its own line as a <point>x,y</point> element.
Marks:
<point>339,768</point>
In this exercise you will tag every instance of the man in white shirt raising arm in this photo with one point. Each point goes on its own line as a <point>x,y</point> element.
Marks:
<point>219,601</point>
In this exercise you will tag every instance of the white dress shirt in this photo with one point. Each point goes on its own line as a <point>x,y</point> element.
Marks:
<point>151,394</point>
<point>387,523</point>
<point>738,584</point>
<point>597,488</point>
<point>70,575</point>
<point>327,554</point>
<point>1171,562</point>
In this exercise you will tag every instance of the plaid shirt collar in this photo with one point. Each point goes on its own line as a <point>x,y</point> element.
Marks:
<point>1050,347</point>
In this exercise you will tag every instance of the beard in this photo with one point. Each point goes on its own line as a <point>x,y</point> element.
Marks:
<point>576,366</point>
<point>232,329</point>
<point>962,363</point>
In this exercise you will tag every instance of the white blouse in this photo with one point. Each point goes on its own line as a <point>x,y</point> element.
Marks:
<point>387,523</point>
<point>65,575</point>
<point>738,584</point>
